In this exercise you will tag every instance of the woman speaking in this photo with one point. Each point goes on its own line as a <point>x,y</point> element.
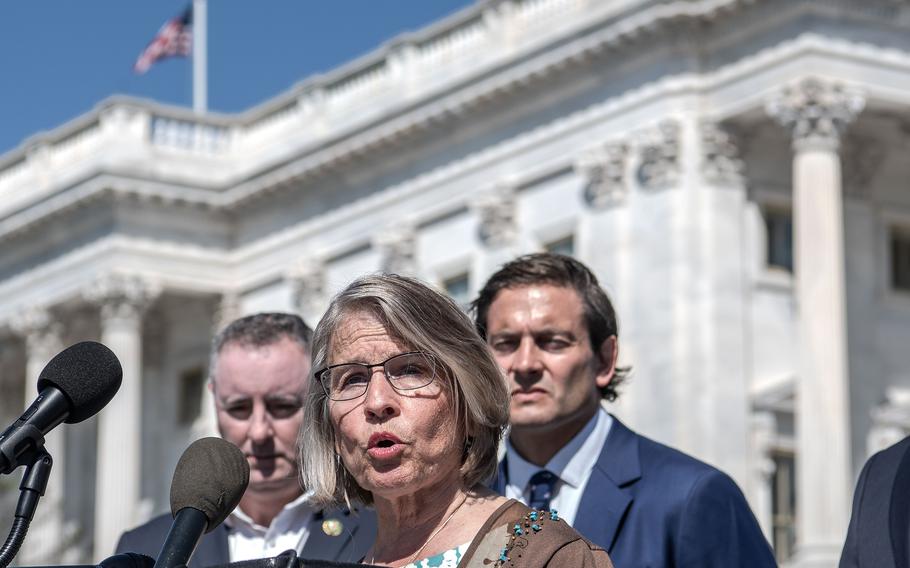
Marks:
<point>406,414</point>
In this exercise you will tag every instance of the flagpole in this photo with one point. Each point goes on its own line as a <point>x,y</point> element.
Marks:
<point>200,76</point>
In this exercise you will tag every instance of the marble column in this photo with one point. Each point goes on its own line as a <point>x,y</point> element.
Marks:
<point>46,538</point>
<point>817,113</point>
<point>763,425</point>
<point>122,301</point>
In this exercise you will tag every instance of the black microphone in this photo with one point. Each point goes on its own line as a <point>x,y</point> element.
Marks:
<point>74,385</point>
<point>209,481</point>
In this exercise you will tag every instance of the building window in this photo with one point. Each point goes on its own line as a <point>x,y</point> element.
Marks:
<point>458,288</point>
<point>189,397</point>
<point>565,245</point>
<point>900,259</point>
<point>779,229</point>
<point>783,505</point>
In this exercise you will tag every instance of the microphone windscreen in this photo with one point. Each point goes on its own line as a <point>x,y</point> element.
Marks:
<point>211,476</point>
<point>88,374</point>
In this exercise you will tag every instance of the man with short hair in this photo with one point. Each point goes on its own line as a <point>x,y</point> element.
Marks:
<point>553,331</point>
<point>258,372</point>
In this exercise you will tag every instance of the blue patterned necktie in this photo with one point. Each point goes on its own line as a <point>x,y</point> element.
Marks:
<point>541,489</point>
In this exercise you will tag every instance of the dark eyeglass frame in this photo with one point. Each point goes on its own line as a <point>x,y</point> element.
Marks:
<point>321,374</point>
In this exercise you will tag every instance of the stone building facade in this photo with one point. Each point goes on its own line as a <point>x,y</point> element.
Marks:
<point>731,169</point>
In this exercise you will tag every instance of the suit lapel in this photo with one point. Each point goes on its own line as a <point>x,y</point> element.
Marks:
<point>322,543</point>
<point>899,515</point>
<point>606,497</point>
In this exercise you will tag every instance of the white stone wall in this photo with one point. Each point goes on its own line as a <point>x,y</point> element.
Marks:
<point>502,129</point>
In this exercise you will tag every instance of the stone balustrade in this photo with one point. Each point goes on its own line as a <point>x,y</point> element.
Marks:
<point>327,104</point>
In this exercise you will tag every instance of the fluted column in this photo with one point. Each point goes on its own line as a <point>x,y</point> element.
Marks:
<point>42,341</point>
<point>122,301</point>
<point>816,113</point>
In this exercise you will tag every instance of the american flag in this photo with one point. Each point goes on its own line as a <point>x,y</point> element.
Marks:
<point>175,38</point>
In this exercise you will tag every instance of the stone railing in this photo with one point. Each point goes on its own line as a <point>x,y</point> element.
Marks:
<point>400,71</point>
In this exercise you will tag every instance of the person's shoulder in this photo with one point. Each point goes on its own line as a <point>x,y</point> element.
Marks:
<point>660,460</point>
<point>888,458</point>
<point>676,479</point>
<point>544,536</point>
<point>580,553</point>
<point>148,534</point>
<point>155,525</point>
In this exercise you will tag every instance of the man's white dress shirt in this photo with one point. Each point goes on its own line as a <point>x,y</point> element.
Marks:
<point>572,464</point>
<point>248,540</point>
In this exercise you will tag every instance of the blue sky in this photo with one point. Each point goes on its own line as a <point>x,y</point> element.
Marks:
<point>59,58</point>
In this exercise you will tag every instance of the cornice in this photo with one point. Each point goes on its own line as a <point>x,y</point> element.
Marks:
<point>99,186</point>
<point>360,141</point>
<point>67,276</point>
<point>456,104</point>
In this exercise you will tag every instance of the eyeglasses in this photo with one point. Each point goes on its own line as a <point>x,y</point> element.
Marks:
<point>405,372</point>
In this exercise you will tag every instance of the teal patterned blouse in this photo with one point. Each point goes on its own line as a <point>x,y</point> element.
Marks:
<point>447,559</point>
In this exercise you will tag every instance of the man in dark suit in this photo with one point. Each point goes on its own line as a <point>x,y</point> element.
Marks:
<point>553,331</point>
<point>258,372</point>
<point>879,532</point>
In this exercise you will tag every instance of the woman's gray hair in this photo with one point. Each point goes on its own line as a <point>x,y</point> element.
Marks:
<point>421,319</point>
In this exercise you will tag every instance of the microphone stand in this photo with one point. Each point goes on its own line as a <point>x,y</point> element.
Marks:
<point>32,487</point>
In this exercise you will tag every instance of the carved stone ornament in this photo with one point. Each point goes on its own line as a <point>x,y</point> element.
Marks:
<point>604,172</point>
<point>816,112</point>
<point>659,166</point>
<point>397,248</point>
<point>40,330</point>
<point>862,158</point>
<point>228,310</point>
<point>307,280</point>
<point>496,212</point>
<point>721,163</point>
<point>122,296</point>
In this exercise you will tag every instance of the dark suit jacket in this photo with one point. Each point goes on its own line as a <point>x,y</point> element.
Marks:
<point>879,531</point>
<point>350,546</point>
<point>652,506</point>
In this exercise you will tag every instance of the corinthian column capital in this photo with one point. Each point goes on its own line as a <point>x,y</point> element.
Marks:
<point>397,247</point>
<point>604,171</point>
<point>122,296</point>
<point>307,278</point>
<point>816,112</point>
<point>496,212</point>
<point>39,328</point>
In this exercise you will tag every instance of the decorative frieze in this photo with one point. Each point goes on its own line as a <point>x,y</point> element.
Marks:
<point>397,248</point>
<point>604,173</point>
<point>721,163</point>
<point>816,112</point>
<point>497,223</point>
<point>659,166</point>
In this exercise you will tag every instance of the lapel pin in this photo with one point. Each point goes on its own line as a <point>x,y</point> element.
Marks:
<point>332,527</point>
